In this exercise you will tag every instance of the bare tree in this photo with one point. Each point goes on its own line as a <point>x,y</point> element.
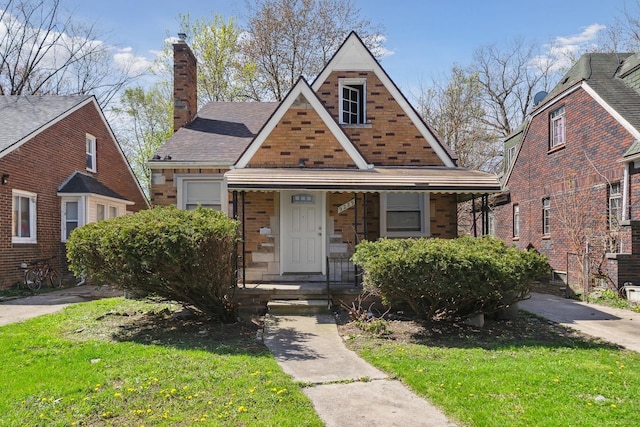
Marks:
<point>291,38</point>
<point>455,109</point>
<point>510,76</point>
<point>45,51</point>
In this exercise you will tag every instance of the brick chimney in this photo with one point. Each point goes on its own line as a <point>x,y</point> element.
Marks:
<point>185,83</point>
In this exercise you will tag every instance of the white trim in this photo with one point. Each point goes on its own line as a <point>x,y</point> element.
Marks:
<point>323,224</point>
<point>93,151</point>
<point>350,82</point>
<point>625,124</point>
<point>426,218</point>
<point>63,214</point>
<point>302,88</point>
<point>33,216</point>
<point>98,196</point>
<point>354,56</point>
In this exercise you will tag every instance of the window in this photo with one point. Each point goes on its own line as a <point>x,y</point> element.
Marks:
<point>615,205</point>
<point>546,215</point>
<point>491,222</point>
<point>557,126</point>
<point>205,193</point>
<point>509,155</point>
<point>404,214</point>
<point>516,220</point>
<point>91,152</point>
<point>113,212</point>
<point>352,102</point>
<point>100,212</point>
<point>23,217</point>
<point>70,218</point>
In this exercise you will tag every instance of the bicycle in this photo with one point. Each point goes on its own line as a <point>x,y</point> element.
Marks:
<point>41,271</point>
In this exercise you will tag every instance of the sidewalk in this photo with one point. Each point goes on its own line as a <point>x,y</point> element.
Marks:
<point>21,309</point>
<point>615,325</point>
<point>345,390</point>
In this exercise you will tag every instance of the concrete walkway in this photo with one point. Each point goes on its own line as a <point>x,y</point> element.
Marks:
<point>614,325</point>
<point>345,390</point>
<point>21,309</point>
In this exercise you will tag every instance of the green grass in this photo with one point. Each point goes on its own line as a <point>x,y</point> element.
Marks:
<point>501,379</point>
<point>119,362</point>
<point>611,299</point>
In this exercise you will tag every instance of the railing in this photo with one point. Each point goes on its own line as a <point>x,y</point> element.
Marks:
<point>341,271</point>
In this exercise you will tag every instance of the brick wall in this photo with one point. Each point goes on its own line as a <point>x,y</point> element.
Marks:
<point>595,142</point>
<point>185,85</point>
<point>301,134</point>
<point>392,139</point>
<point>40,166</point>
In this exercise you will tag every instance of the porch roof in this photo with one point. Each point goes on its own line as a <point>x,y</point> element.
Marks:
<point>429,179</point>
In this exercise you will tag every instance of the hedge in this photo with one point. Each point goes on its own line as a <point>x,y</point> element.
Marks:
<point>185,256</point>
<point>448,277</point>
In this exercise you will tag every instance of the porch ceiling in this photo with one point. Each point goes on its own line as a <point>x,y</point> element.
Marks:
<point>429,179</point>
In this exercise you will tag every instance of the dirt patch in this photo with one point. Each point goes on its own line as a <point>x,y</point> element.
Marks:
<point>525,329</point>
<point>181,328</point>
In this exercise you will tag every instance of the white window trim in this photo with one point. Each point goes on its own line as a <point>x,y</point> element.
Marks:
<point>63,214</point>
<point>33,199</point>
<point>426,219</point>
<point>516,220</point>
<point>349,82</point>
<point>552,122</point>
<point>181,180</point>
<point>92,152</point>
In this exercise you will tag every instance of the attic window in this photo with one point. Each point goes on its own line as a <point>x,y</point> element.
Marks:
<point>352,101</point>
<point>91,152</point>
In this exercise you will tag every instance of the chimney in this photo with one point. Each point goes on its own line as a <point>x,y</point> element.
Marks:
<point>185,82</point>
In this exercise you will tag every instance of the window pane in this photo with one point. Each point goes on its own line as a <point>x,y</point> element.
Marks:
<point>100,212</point>
<point>25,218</point>
<point>403,221</point>
<point>72,211</point>
<point>400,201</point>
<point>113,211</point>
<point>204,193</point>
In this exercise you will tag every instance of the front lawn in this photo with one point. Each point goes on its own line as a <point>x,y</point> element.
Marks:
<point>524,372</point>
<point>120,362</point>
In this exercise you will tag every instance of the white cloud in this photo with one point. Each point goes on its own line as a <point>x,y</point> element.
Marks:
<point>376,44</point>
<point>563,51</point>
<point>134,65</point>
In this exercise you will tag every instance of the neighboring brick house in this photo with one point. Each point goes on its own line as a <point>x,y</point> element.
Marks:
<point>341,160</point>
<point>60,167</point>
<point>572,173</point>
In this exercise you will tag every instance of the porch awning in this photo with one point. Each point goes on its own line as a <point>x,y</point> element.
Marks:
<point>430,179</point>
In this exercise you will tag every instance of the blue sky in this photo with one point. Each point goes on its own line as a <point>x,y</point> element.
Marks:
<point>425,37</point>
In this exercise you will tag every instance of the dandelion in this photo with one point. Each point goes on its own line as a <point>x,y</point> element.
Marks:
<point>117,394</point>
<point>420,370</point>
<point>281,391</point>
<point>155,380</point>
<point>148,410</point>
<point>209,403</point>
<point>253,374</point>
<point>555,380</point>
<point>470,394</point>
<point>610,373</point>
<point>242,409</point>
<point>185,387</point>
<point>589,404</point>
<point>251,390</point>
<point>173,390</point>
<point>613,405</point>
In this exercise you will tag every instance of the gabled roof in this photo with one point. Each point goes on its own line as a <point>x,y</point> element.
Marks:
<point>353,55</point>
<point>81,183</point>
<point>218,135</point>
<point>302,89</point>
<point>24,116</point>
<point>600,75</point>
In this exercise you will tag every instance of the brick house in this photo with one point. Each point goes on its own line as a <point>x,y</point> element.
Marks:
<point>60,167</point>
<point>340,160</point>
<point>572,173</point>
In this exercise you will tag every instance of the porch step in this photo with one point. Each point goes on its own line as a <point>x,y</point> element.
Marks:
<point>297,307</point>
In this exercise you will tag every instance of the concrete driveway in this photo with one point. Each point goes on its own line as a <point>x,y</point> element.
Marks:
<point>25,308</point>
<point>614,325</point>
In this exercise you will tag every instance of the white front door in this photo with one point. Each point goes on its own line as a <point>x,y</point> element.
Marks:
<point>302,231</point>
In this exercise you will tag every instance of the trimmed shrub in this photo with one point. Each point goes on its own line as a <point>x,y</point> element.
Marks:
<point>185,256</point>
<point>448,277</point>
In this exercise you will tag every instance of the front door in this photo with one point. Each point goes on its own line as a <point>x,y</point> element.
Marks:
<point>302,231</point>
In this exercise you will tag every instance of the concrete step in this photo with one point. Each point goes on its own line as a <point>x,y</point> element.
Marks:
<point>297,307</point>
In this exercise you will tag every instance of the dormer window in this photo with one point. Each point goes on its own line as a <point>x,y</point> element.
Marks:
<point>352,101</point>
